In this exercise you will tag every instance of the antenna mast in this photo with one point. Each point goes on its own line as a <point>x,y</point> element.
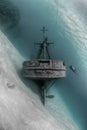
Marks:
<point>43,30</point>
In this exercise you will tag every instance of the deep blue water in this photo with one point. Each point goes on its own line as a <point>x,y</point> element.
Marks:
<point>66,21</point>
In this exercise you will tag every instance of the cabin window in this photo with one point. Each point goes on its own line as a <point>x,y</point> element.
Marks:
<point>44,61</point>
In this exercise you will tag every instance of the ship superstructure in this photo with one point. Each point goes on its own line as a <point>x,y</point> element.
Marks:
<point>43,67</point>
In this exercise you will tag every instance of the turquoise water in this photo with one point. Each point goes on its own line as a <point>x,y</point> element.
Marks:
<point>66,22</point>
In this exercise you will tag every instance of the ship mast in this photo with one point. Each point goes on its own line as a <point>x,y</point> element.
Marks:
<point>43,30</point>
<point>44,45</point>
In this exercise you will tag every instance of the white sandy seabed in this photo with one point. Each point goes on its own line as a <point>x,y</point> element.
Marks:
<point>20,108</point>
